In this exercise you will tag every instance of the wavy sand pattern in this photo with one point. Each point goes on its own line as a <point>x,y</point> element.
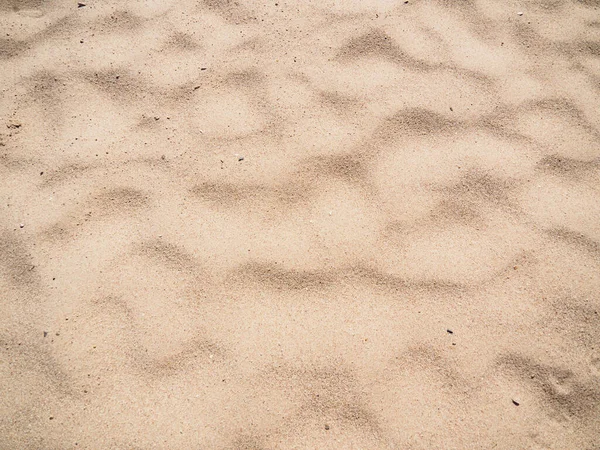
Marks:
<point>257,225</point>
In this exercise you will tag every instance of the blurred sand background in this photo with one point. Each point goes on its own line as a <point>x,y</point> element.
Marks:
<point>300,224</point>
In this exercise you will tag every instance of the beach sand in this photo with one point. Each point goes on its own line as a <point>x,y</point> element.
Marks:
<point>299,224</point>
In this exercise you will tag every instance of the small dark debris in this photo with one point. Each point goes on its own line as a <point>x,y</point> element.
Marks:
<point>240,158</point>
<point>515,402</point>
<point>450,331</point>
<point>163,157</point>
<point>41,173</point>
<point>326,427</point>
<point>196,88</point>
<point>80,5</point>
<point>156,118</point>
<point>451,109</point>
<point>406,2</point>
<point>454,343</point>
<point>202,68</point>
<point>81,41</point>
<point>51,417</point>
<point>45,333</point>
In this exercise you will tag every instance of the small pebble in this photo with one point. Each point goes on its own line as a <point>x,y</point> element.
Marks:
<point>516,402</point>
<point>80,5</point>
<point>22,225</point>
<point>520,13</point>
<point>240,158</point>
<point>450,331</point>
<point>326,427</point>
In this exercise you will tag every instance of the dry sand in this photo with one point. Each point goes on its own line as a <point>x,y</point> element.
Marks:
<point>345,225</point>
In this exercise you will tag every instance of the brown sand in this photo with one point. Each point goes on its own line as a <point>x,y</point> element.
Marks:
<point>409,247</point>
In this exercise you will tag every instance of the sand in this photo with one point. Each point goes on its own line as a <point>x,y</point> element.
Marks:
<point>300,224</point>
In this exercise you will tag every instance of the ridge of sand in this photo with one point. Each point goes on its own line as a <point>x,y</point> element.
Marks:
<point>299,224</point>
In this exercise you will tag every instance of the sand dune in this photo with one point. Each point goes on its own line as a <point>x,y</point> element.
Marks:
<point>337,224</point>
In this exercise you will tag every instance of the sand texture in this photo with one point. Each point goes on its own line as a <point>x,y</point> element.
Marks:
<point>300,224</point>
